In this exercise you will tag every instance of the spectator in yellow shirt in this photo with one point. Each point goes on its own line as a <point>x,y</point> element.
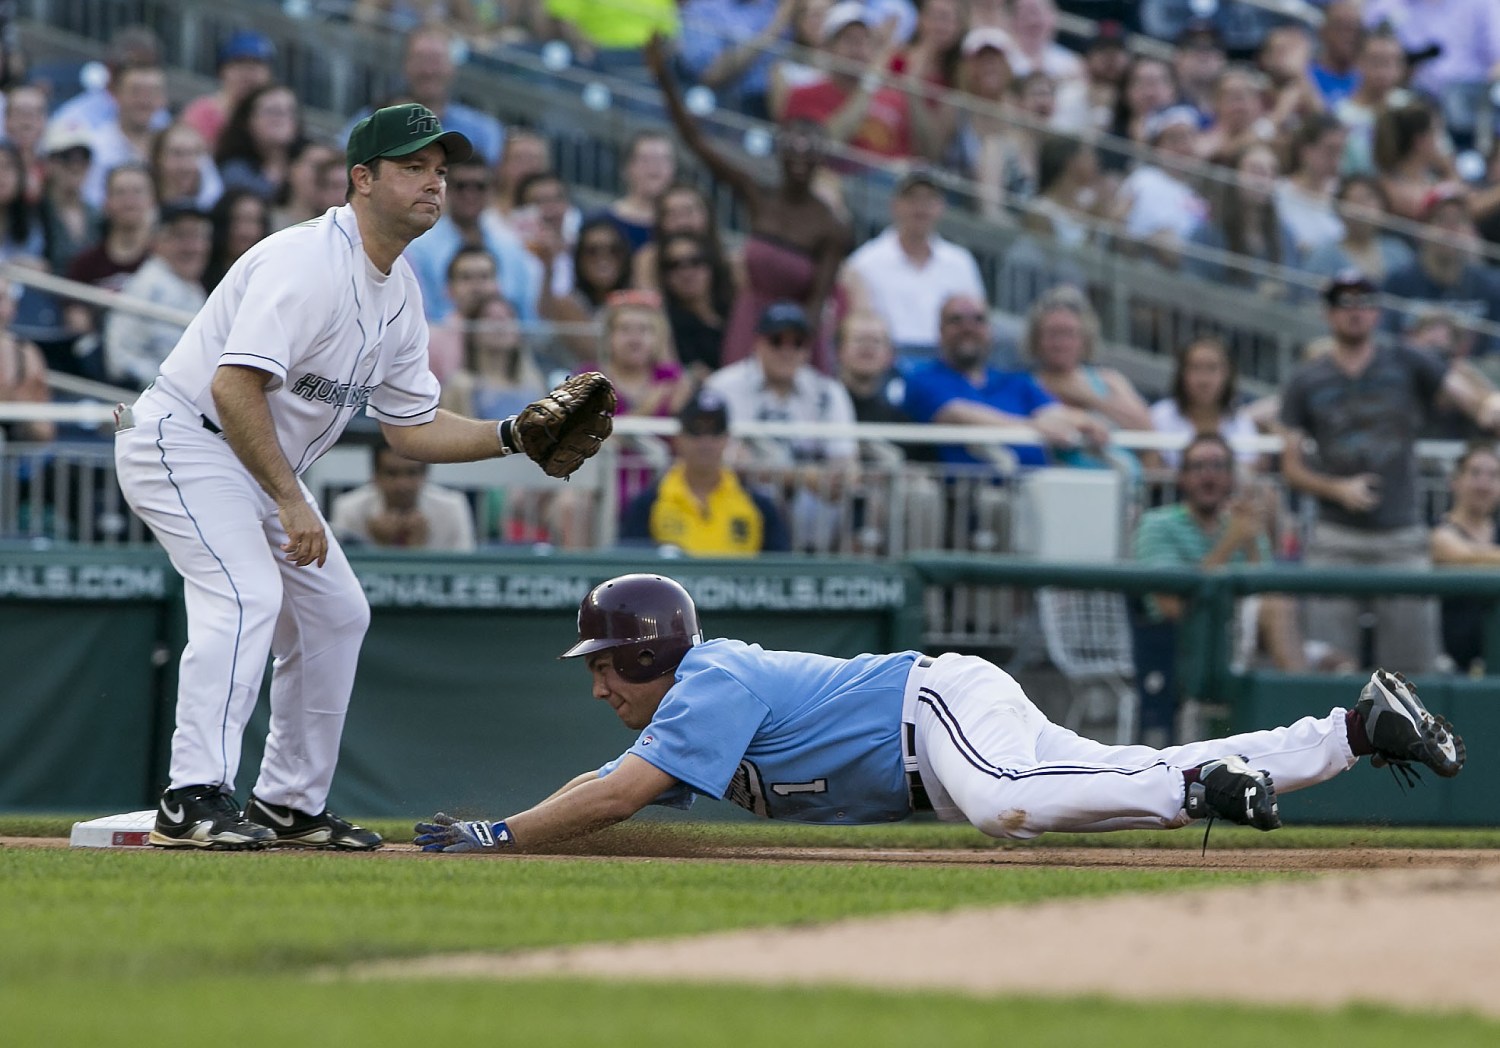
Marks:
<point>700,506</point>
<point>610,36</point>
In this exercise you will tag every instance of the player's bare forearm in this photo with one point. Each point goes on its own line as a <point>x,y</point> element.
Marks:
<point>447,438</point>
<point>245,417</point>
<point>573,783</point>
<point>584,807</point>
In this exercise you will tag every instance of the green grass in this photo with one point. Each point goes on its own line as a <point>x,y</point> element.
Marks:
<point>137,948</point>
<point>569,1014</point>
<point>149,916</point>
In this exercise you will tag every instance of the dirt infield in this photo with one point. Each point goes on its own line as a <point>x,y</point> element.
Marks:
<point>1321,942</point>
<point>645,844</point>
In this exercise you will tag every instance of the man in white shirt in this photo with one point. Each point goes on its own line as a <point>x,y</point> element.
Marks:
<point>136,345</point>
<point>399,509</point>
<point>908,271</point>
<point>778,384</point>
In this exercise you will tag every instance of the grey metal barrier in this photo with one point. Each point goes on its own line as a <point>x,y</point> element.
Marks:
<point>1144,306</point>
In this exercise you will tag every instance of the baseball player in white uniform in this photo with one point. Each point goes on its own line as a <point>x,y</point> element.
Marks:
<point>312,325</point>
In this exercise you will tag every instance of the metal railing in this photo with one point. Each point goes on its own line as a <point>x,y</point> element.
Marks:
<point>353,66</point>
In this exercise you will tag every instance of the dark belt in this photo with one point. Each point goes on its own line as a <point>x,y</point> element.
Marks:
<point>919,799</point>
<point>208,424</point>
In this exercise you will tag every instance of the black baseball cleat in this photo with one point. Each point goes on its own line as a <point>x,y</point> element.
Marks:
<point>326,830</point>
<point>1402,732</point>
<point>205,817</point>
<point>1228,788</point>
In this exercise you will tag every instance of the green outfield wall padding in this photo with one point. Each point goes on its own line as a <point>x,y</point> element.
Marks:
<point>461,703</point>
<point>1367,795</point>
<point>459,700</point>
<point>80,699</point>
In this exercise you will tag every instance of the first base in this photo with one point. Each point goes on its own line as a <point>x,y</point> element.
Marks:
<point>129,830</point>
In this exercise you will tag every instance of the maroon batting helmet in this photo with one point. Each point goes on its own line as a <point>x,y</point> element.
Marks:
<point>647,622</point>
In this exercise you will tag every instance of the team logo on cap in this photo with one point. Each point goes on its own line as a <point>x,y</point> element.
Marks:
<point>422,122</point>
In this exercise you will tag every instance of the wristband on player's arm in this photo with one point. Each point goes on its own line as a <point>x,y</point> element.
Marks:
<point>493,835</point>
<point>505,429</point>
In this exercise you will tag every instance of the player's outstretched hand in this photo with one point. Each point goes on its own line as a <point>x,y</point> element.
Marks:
<point>566,427</point>
<point>447,834</point>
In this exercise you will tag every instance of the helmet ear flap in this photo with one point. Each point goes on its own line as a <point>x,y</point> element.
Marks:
<point>639,663</point>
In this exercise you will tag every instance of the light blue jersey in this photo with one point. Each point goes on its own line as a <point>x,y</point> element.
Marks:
<point>783,734</point>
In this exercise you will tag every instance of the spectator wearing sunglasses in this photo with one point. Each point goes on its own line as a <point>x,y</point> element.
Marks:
<point>696,298</point>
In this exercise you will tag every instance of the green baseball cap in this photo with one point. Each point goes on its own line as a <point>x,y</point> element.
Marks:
<point>401,130</point>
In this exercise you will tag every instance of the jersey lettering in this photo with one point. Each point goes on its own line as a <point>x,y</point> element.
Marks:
<point>340,394</point>
<point>786,789</point>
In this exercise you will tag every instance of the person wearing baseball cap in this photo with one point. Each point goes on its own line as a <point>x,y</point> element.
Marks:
<point>59,140</point>
<point>1352,416</point>
<point>906,272</point>
<point>853,104</point>
<point>784,318</point>
<point>401,130</point>
<point>779,383</point>
<point>987,38</point>
<point>245,59</point>
<point>1349,289</point>
<point>698,505</point>
<point>312,326</point>
<point>1165,210</point>
<point>841,16</point>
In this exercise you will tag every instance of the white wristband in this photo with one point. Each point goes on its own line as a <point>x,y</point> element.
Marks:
<point>505,433</point>
<point>870,82</point>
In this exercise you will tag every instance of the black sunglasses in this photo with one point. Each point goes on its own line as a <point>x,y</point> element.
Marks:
<point>672,265</point>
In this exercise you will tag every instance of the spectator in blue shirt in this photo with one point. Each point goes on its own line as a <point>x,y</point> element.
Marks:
<point>464,222</point>
<point>1339,39</point>
<point>730,46</point>
<point>960,388</point>
<point>428,70</point>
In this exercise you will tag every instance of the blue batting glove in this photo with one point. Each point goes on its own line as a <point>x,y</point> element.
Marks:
<point>447,834</point>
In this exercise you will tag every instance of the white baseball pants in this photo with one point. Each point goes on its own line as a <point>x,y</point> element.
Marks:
<point>245,601</point>
<point>987,755</point>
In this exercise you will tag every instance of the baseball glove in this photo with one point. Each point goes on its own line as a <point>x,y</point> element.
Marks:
<point>568,425</point>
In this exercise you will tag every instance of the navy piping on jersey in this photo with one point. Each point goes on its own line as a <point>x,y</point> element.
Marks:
<point>280,373</point>
<point>364,338</point>
<point>238,603</point>
<point>971,753</point>
<point>414,414</point>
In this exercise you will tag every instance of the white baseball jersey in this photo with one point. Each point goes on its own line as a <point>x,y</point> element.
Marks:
<point>337,335</point>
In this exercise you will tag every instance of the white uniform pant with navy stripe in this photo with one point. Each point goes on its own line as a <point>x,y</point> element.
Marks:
<point>245,601</point>
<point>987,755</point>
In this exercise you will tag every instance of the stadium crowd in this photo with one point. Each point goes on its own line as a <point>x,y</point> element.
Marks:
<point>1339,167</point>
